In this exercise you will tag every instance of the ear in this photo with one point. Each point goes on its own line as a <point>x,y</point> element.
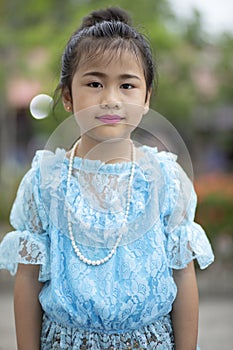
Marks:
<point>147,102</point>
<point>67,99</point>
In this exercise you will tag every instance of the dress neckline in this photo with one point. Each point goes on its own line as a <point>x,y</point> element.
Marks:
<point>93,165</point>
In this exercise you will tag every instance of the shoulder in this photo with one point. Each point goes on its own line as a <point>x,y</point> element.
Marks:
<point>176,184</point>
<point>161,156</point>
<point>46,161</point>
<point>45,164</point>
<point>48,158</point>
<point>166,161</point>
<point>170,163</point>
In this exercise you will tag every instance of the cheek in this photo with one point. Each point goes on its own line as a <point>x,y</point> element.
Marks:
<point>138,96</point>
<point>86,116</point>
<point>84,101</point>
<point>134,113</point>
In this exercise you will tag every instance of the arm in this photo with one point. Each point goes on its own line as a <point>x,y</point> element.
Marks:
<point>28,312</point>
<point>185,309</point>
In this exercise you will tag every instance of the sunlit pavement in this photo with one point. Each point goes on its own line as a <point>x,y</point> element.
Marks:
<point>216,311</point>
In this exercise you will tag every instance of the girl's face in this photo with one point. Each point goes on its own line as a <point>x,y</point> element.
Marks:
<point>108,96</point>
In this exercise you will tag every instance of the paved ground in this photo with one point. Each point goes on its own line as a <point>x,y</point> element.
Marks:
<point>216,311</point>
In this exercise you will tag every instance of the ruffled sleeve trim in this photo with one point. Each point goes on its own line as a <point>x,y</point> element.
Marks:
<point>23,247</point>
<point>187,243</point>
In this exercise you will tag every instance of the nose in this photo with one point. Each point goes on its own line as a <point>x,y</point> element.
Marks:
<point>110,100</point>
<point>111,105</point>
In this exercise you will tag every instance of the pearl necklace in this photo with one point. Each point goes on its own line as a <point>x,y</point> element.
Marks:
<point>125,220</point>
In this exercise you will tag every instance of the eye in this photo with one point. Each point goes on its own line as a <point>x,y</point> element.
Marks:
<point>127,86</point>
<point>95,84</point>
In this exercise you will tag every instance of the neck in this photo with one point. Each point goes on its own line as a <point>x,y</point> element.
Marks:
<point>110,151</point>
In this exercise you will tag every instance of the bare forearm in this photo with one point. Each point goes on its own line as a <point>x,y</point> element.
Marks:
<point>185,309</point>
<point>28,313</point>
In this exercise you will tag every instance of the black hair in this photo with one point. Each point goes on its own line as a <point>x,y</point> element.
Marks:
<point>100,31</point>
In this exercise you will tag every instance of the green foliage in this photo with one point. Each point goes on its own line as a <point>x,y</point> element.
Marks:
<point>225,68</point>
<point>215,212</point>
<point>193,31</point>
<point>215,206</point>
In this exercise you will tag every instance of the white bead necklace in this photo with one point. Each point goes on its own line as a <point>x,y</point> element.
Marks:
<point>125,220</point>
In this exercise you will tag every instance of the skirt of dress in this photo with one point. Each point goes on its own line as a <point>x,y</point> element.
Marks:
<point>158,335</point>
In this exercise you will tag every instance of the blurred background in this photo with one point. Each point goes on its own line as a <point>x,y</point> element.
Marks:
<point>192,42</point>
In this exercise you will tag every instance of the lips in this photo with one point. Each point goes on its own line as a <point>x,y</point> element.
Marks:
<point>110,119</point>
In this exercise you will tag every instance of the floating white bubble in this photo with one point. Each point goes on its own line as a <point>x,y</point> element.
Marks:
<point>40,106</point>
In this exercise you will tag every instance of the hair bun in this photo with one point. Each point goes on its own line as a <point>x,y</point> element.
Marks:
<point>109,14</point>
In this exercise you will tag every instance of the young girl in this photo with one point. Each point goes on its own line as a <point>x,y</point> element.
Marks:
<point>105,240</point>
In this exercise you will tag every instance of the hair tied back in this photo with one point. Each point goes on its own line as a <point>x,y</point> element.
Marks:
<point>112,14</point>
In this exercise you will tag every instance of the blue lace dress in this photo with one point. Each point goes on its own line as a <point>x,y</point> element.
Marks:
<point>126,302</point>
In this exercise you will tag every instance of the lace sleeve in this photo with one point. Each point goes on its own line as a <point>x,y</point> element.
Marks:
<point>29,243</point>
<point>27,212</point>
<point>186,240</point>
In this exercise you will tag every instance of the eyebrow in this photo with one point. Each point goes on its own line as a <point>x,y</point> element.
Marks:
<point>103,75</point>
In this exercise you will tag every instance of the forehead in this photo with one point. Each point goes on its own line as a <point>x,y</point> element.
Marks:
<point>109,59</point>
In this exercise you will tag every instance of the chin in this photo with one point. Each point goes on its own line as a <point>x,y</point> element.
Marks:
<point>110,132</point>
